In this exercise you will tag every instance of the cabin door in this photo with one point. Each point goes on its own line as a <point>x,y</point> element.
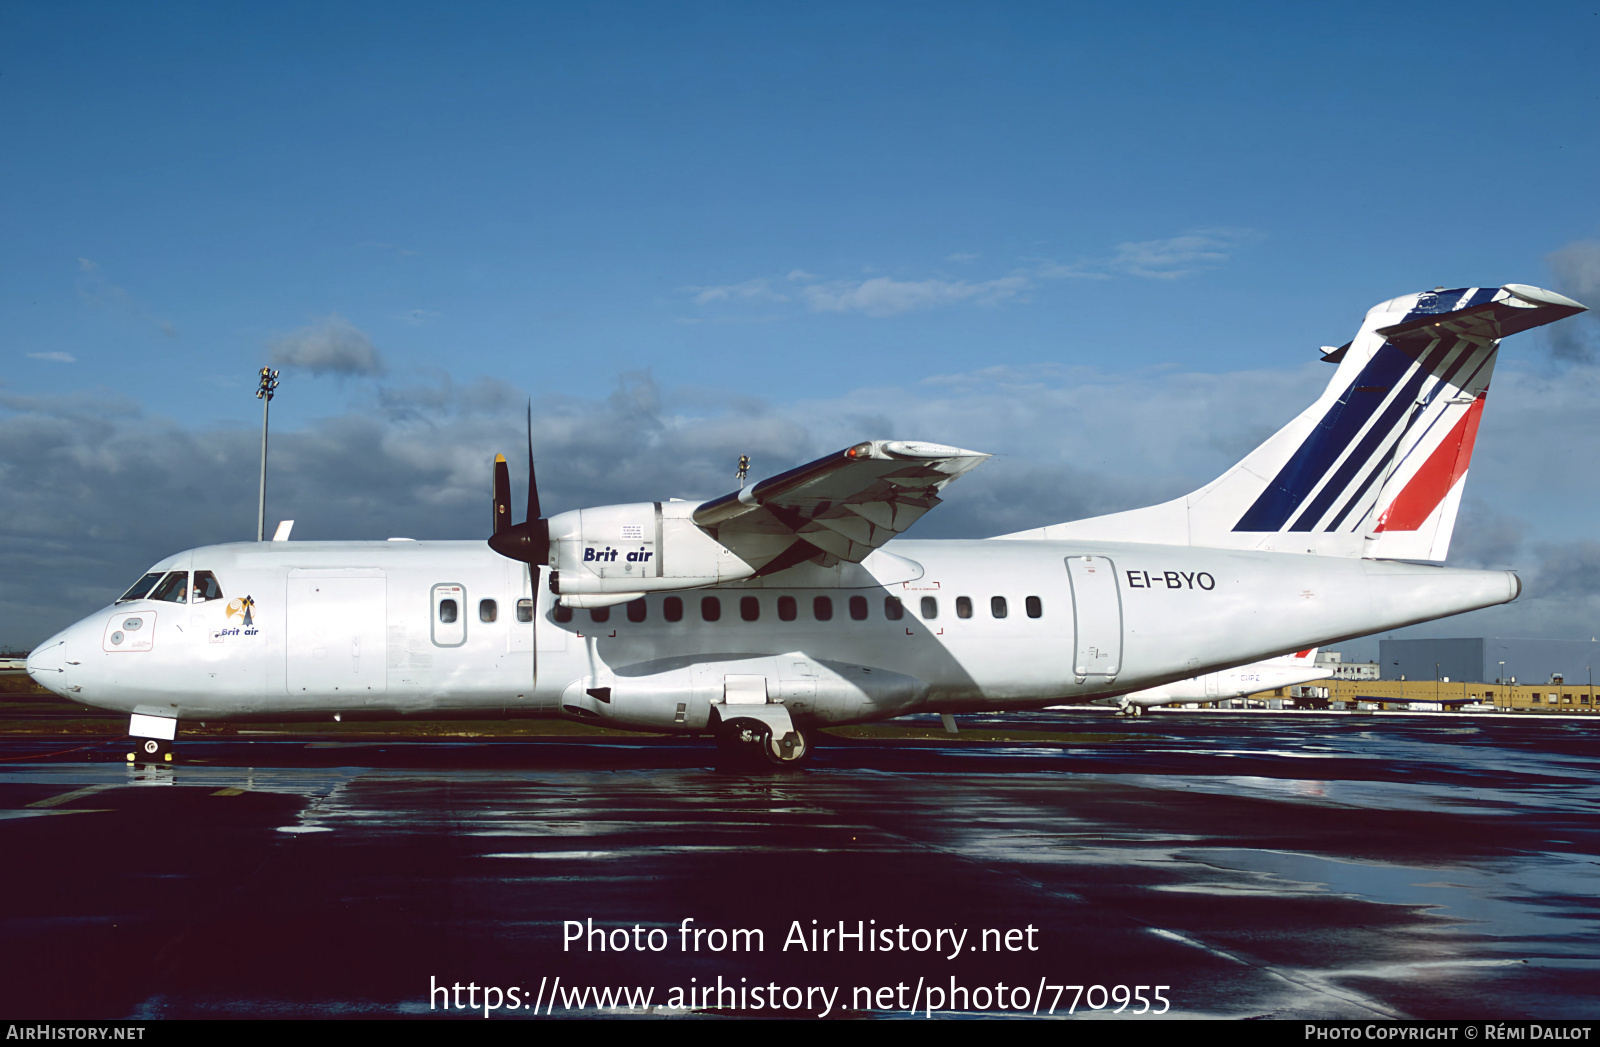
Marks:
<point>1097,619</point>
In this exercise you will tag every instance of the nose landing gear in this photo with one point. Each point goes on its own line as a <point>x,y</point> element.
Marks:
<point>151,750</point>
<point>152,739</point>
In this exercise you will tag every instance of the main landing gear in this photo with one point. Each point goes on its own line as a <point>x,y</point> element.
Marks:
<point>745,737</point>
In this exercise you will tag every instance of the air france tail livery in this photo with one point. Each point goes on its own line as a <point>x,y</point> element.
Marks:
<point>777,609</point>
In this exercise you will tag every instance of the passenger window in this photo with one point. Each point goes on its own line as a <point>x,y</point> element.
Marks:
<point>488,610</point>
<point>449,627</point>
<point>637,610</point>
<point>749,608</point>
<point>822,609</point>
<point>893,609</point>
<point>711,609</point>
<point>672,609</point>
<point>206,587</point>
<point>997,606</point>
<point>963,607</point>
<point>174,588</point>
<point>562,613</point>
<point>930,607</point>
<point>1035,607</point>
<point>788,610</point>
<point>141,587</point>
<point>858,608</point>
<point>524,610</point>
<point>599,615</point>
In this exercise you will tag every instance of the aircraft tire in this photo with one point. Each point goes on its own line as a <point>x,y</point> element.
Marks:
<point>749,742</point>
<point>787,752</point>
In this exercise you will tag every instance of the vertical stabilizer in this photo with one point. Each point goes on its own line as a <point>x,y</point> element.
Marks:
<point>1374,468</point>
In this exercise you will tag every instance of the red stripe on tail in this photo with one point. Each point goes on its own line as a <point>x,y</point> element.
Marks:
<point>1446,465</point>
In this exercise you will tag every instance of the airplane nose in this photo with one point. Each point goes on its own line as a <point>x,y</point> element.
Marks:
<point>47,664</point>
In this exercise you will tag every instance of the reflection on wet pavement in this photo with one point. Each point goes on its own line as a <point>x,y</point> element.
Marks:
<point>1286,867</point>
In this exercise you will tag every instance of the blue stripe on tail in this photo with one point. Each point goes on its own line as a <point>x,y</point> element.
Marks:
<point>1312,460</point>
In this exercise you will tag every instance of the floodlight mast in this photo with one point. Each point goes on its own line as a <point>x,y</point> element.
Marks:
<point>264,392</point>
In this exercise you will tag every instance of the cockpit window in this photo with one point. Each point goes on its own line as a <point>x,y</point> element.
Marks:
<point>206,587</point>
<point>140,587</point>
<point>174,588</point>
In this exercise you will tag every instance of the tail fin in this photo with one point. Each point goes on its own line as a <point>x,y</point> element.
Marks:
<point>1374,468</point>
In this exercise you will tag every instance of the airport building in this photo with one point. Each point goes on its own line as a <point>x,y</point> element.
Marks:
<point>1434,696</point>
<point>1486,659</point>
<point>1339,669</point>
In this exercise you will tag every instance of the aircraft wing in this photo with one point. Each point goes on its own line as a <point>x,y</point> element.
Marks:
<point>839,507</point>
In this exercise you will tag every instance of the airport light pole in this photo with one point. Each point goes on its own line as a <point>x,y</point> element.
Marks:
<point>264,392</point>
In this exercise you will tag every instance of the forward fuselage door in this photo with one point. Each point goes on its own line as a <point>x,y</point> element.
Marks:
<point>1097,619</point>
<point>336,632</point>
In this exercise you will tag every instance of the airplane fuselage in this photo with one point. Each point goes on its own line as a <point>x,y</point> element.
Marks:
<point>410,628</point>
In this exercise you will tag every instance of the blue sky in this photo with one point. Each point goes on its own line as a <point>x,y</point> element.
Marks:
<point>693,230</point>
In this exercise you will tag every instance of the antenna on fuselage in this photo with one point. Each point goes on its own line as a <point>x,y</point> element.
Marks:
<point>744,469</point>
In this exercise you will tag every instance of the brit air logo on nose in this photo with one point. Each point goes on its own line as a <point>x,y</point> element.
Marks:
<point>609,555</point>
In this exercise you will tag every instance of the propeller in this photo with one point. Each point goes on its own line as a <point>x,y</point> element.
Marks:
<point>528,541</point>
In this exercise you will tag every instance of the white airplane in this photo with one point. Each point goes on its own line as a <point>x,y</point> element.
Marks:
<point>1290,669</point>
<point>773,610</point>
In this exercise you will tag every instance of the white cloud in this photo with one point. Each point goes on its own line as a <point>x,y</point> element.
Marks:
<point>60,358</point>
<point>758,290</point>
<point>885,296</point>
<point>332,345</point>
<point>1577,267</point>
<point>1178,256</point>
<point>1577,272</point>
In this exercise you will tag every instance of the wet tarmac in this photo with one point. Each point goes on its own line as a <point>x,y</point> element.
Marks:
<point>1250,866</point>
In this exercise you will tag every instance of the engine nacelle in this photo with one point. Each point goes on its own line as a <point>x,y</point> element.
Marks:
<point>627,550</point>
<point>672,696</point>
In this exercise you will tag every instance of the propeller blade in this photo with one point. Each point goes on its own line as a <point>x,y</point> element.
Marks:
<point>528,541</point>
<point>533,484</point>
<point>502,495</point>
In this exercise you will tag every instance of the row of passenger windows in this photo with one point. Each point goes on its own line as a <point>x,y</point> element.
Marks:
<point>488,611</point>
<point>822,609</point>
